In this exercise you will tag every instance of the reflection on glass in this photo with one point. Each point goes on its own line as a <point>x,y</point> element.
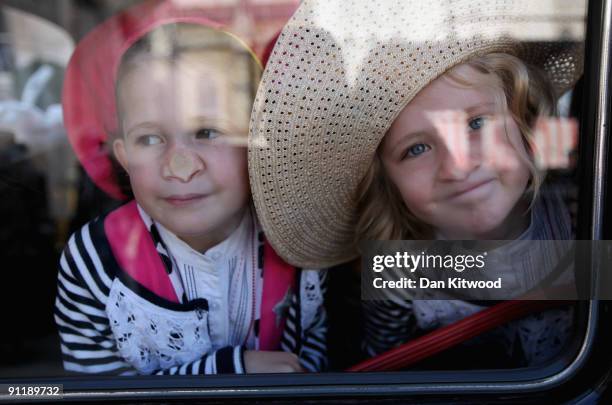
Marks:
<point>462,164</point>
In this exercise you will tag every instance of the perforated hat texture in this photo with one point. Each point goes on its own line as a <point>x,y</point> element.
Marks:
<point>341,71</point>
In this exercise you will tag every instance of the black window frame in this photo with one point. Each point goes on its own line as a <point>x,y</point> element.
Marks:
<point>585,378</point>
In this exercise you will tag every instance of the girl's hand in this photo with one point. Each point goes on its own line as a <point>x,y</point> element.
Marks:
<point>271,362</point>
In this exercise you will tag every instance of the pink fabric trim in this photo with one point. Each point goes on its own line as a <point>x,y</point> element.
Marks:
<point>278,278</point>
<point>135,252</point>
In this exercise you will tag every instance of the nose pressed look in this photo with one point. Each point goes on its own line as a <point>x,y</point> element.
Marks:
<point>458,161</point>
<point>182,165</point>
<point>182,169</point>
<point>458,148</point>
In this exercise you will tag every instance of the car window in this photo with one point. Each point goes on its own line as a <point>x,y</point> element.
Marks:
<point>244,188</point>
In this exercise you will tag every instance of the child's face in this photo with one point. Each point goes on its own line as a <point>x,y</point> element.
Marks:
<point>455,165</point>
<point>176,122</point>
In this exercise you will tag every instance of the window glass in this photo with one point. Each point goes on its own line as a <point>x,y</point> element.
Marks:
<point>212,186</point>
<point>39,175</point>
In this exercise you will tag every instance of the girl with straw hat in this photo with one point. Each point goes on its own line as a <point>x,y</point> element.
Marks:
<point>370,124</point>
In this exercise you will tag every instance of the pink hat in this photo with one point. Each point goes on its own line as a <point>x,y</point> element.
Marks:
<point>89,88</point>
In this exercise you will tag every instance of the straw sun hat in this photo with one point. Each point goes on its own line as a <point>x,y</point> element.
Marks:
<point>340,73</point>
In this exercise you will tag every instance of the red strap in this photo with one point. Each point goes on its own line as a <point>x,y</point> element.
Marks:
<point>451,335</point>
<point>279,277</point>
<point>135,252</point>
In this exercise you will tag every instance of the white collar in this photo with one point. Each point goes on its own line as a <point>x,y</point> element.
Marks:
<point>181,251</point>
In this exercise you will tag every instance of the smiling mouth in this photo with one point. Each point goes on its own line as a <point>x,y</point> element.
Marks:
<point>471,189</point>
<point>185,199</point>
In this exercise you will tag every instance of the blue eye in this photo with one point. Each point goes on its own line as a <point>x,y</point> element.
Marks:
<point>476,123</point>
<point>149,140</point>
<point>417,150</point>
<point>207,133</point>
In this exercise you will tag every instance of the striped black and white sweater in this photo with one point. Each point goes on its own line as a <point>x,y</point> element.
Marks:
<point>110,324</point>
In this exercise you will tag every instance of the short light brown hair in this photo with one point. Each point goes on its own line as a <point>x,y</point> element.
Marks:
<point>170,41</point>
<point>167,43</point>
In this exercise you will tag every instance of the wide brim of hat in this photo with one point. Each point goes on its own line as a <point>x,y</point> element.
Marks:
<point>339,75</point>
